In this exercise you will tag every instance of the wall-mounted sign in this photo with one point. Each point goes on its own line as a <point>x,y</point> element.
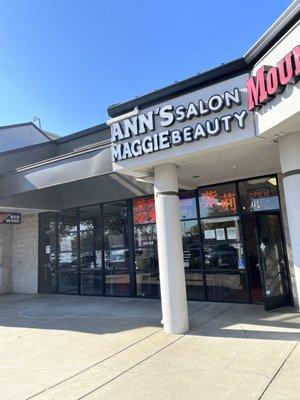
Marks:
<point>171,125</point>
<point>10,218</point>
<point>269,81</point>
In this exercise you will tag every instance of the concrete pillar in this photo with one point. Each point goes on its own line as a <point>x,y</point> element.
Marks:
<point>289,152</point>
<point>170,252</point>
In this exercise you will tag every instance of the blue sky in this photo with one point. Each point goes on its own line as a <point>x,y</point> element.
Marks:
<point>68,60</point>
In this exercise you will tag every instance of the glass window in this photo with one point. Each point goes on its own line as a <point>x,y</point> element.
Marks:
<point>225,272</point>
<point>68,221</point>
<point>226,285</point>
<point>89,218</point>
<point>68,242</point>
<point>143,210</point>
<point>219,229</point>
<point>218,200</point>
<point>47,253</point>
<point>190,232</point>
<point>115,225</point>
<point>144,235</point>
<point>68,273</point>
<point>67,248</point>
<point>193,272</point>
<point>224,255</point>
<point>187,205</point>
<point>259,194</point>
<point>117,278</point>
<point>147,273</point>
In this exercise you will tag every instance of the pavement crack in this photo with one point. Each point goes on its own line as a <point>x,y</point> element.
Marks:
<point>277,372</point>
<point>151,355</point>
<point>92,366</point>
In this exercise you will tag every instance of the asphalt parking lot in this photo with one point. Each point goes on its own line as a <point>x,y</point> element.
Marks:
<point>71,347</point>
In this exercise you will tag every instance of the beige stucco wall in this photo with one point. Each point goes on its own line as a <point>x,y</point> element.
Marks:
<point>5,258</point>
<point>287,239</point>
<point>25,255</point>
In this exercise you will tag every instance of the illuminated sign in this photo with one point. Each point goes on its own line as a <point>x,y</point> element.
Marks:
<point>270,81</point>
<point>195,120</point>
<point>10,218</point>
<point>259,193</point>
<point>218,201</point>
<point>143,211</point>
<point>262,199</point>
<point>226,202</point>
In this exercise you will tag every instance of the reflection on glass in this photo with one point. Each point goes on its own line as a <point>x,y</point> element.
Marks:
<point>91,274</point>
<point>68,273</point>
<point>218,200</point>
<point>190,231</point>
<point>220,229</point>
<point>89,218</point>
<point>147,273</point>
<point>117,279</point>
<point>187,205</point>
<point>47,248</point>
<point>226,286</point>
<point>115,225</point>
<point>144,235</point>
<point>193,272</point>
<point>272,256</point>
<point>67,221</point>
<point>259,194</point>
<point>224,255</point>
<point>68,242</point>
<point>143,210</point>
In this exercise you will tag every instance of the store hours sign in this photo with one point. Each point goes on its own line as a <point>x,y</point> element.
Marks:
<point>172,125</point>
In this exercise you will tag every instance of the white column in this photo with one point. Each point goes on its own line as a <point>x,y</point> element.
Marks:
<point>170,252</point>
<point>289,151</point>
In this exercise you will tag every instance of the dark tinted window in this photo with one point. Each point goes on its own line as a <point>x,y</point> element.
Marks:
<point>259,194</point>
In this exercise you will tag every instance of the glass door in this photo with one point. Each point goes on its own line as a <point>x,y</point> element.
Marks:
<point>272,261</point>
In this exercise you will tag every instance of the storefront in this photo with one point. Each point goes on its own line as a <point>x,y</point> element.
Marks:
<point>111,249</point>
<point>188,192</point>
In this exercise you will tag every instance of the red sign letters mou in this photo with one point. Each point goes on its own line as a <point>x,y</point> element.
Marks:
<point>270,81</point>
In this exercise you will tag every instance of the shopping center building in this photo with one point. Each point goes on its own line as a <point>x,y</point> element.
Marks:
<point>190,192</point>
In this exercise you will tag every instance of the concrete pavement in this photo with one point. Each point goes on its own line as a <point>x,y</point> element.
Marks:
<point>74,347</point>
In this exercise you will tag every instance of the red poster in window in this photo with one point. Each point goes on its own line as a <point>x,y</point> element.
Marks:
<point>143,211</point>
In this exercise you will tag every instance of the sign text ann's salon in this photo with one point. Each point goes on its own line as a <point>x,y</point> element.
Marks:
<point>152,131</point>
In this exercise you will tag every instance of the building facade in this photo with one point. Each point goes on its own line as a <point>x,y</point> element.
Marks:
<point>186,193</point>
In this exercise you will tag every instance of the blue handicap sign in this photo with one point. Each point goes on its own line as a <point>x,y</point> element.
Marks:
<point>241,263</point>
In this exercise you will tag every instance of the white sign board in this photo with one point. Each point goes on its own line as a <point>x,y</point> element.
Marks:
<point>206,118</point>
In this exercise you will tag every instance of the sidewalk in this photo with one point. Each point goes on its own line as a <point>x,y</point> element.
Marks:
<point>72,347</point>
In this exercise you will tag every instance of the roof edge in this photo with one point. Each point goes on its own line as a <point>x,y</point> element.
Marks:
<point>79,134</point>
<point>211,76</point>
<point>286,20</point>
<point>282,25</point>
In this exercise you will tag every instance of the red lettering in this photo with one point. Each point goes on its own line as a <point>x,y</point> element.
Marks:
<point>296,54</point>
<point>256,88</point>
<point>271,80</point>
<point>285,69</point>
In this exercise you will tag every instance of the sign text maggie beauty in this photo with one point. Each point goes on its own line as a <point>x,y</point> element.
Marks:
<point>135,136</point>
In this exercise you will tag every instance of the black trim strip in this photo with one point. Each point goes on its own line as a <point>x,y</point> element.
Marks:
<point>290,173</point>
<point>229,70</point>
<point>167,193</point>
